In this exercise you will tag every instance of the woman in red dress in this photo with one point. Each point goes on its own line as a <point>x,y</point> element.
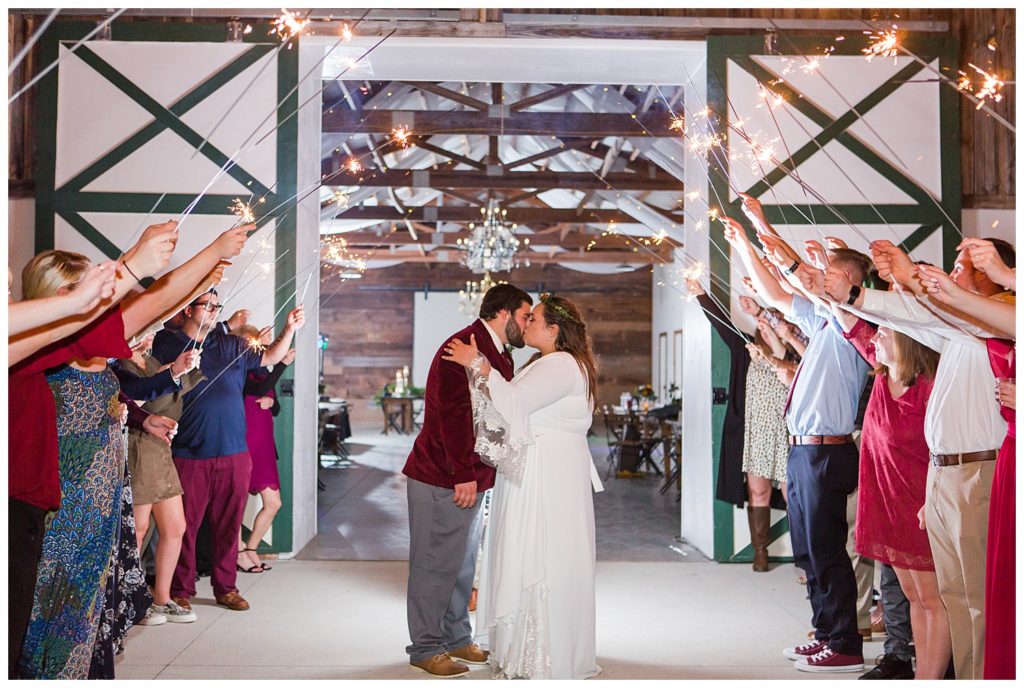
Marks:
<point>893,474</point>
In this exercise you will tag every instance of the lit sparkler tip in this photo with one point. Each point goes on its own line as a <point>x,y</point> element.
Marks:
<point>243,210</point>
<point>401,136</point>
<point>255,344</point>
<point>346,33</point>
<point>288,25</point>
<point>693,195</point>
<point>991,87</point>
<point>354,166</point>
<point>883,44</point>
<point>678,124</point>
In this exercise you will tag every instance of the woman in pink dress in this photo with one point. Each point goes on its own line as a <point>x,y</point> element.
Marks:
<point>261,406</point>
<point>893,474</point>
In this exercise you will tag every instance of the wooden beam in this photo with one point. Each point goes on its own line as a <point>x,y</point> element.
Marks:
<point>519,215</point>
<point>473,179</point>
<point>657,255</point>
<point>421,142</point>
<point>547,95</point>
<point>448,94</point>
<point>430,122</point>
<point>550,152</point>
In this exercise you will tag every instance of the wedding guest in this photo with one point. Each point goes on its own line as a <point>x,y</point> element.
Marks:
<point>753,432</point>
<point>96,285</point>
<point>78,540</point>
<point>261,407</point>
<point>210,450</point>
<point>962,427</point>
<point>156,488</point>
<point>822,468</point>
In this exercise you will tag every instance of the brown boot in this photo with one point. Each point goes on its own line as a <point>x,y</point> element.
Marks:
<point>759,518</point>
<point>470,654</point>
<point>441,665</point>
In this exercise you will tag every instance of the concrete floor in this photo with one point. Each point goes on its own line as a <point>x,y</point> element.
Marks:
<point>337,611</point>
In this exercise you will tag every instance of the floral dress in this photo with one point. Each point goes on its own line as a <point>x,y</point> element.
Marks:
<point>766,441</point>
<point>69,597</point>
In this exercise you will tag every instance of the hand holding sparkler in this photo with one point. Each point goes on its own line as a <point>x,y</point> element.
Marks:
<point>985,257</point>
<point>735,234</point>
<point>811,279</point>
<point>186,361</point>
<point>296,319</point>
<point>892,262</point>
<point>778,251</point>
<point>216,276</point>
<point>816,254</point>
<point>835,242</point>
<point>238,320</point>
<point>755,213</point>
<point>777,275</point>
<point>750,306</point>
<point>940,286</point>
<point>837,284</point>
<point>153,251</point>
<point>693,285</point>
<point>96,285</point>
<point>230,243</point>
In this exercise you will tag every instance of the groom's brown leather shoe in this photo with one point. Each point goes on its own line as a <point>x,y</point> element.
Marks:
<point>471,654</point>
<point>441,665</point>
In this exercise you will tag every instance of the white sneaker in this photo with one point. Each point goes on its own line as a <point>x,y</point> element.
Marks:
<point>154,617</point>
<point>175,613</point>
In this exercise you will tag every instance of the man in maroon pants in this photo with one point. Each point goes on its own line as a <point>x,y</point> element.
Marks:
<point>445,478</point>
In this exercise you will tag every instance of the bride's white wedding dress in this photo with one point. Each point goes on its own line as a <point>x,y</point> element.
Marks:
<point>536,605</point>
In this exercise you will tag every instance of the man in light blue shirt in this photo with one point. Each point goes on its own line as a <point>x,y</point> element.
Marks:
<point>823,460</point>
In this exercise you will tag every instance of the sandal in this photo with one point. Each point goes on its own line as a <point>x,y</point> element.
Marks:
<point>257,568</point>
<point>262,565</point>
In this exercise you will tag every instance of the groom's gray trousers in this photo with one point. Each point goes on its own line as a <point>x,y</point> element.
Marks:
<point>443,544</point>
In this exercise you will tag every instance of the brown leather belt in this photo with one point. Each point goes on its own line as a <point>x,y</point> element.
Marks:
<point>821,439</point>
<point>969,457</point>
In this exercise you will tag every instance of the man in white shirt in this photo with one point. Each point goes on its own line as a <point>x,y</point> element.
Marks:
<point>963,429</point>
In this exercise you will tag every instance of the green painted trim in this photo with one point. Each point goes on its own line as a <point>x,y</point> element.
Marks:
<point>824,120</point>
<point>46,144</point>
<point>181,106</point>
<point>918,237</point>
<point>838,126</point>
<point>95,237</point>
<point>169,120</point>
<point>778,529</point>
<point>721,360</point>
<point>162,32</point>
<point>286,230</point>
<point>949,131</point>
<point>115,202</point>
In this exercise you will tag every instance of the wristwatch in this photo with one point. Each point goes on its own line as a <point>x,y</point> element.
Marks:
<point>792,268</point>
<point>854,294</point>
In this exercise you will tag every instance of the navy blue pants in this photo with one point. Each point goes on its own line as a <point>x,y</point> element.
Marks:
<point>819,479</point>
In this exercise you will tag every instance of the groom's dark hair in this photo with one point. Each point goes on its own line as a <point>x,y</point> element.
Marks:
<point>502,297</point>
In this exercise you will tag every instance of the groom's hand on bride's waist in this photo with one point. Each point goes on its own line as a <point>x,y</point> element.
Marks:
<point>465,495</point>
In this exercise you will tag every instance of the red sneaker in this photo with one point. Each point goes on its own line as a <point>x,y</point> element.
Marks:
<point>828,661</point>
<point>800,651</point>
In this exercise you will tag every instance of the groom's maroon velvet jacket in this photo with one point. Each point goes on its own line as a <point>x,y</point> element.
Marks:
<point>443,453</point>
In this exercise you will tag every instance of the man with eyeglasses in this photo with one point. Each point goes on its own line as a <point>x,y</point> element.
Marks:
<point>210,450</point>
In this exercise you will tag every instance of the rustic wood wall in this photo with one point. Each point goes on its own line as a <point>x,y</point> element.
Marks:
<point>371,329</point>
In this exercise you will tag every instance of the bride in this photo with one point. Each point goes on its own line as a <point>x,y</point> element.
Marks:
<point>536,606</point>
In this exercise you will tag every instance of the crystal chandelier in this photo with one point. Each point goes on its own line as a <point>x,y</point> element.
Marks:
<point>473,294</point>
<point>492,245</point>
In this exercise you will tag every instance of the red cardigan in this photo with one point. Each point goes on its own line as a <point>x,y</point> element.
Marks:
<point>443,454</point>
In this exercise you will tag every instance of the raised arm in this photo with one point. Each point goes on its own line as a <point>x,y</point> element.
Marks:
<point>718,319</point>
<point>140,311</point>
<point>764,283</point>
<point>277,351</point>
<point>999,317</point>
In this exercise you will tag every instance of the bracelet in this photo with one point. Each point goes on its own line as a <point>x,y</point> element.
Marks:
<point>125,264</point>
<point>792,268</point>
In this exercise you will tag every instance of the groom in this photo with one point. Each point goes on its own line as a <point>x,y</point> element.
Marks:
<point>446,478</point>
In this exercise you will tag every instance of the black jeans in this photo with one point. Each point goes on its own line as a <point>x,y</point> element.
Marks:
<point>819,479</point>
<point>896,614</point>
<point>25,526</point>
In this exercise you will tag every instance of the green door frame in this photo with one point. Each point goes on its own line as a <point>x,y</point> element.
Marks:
<point>69,201</point>
<point>930,214</point>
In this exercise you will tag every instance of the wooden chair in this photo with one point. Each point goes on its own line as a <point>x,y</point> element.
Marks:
<point>672,443</point>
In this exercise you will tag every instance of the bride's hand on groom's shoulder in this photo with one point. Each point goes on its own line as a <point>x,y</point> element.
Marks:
<point>460,352</point>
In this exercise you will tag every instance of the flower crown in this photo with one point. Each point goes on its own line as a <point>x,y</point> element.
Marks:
<point>546,299</point>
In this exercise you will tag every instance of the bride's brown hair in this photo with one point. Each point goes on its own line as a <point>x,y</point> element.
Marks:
<point>572,337</point>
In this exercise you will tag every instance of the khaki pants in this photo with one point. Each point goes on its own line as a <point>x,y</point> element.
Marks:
<point>863,567</point>
<point>956,513</point>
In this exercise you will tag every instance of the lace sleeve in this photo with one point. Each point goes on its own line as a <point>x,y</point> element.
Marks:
<point>495,442</point>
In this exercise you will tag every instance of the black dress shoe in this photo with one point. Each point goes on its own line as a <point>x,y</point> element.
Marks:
<point>890,668</point>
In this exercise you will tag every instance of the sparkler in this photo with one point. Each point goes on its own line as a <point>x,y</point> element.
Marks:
<point>991,87</point>
<point>883,44</point>
<point>400,135</point>
<point>288,26</point>
<point>353,165</point>
<point>243,211</point>
<point>255,344</point>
